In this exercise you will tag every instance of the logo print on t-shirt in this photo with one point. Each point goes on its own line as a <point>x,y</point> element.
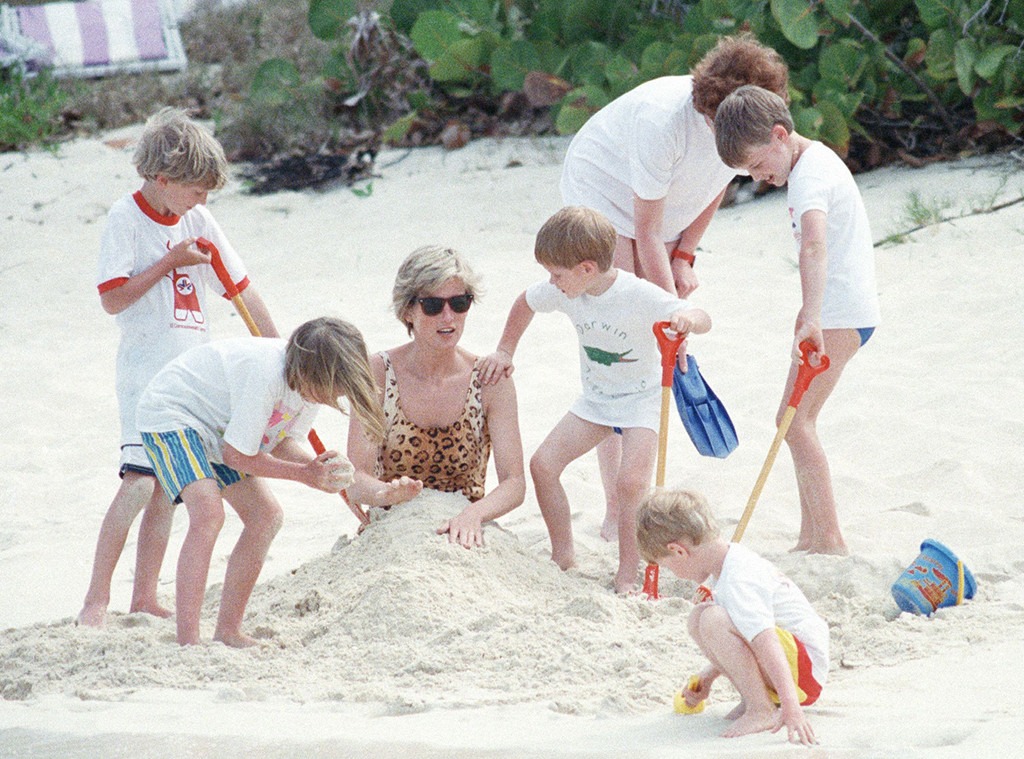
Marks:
<point>186,302</point>
<point>607,358</point>
<point>281,420</point>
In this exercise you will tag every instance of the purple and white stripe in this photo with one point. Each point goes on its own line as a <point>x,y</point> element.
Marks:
<point>96,32</point>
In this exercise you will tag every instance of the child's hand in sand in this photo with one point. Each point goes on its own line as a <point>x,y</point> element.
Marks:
<point>797,726</point>
<point>464,529</point>
<point>704,682</point>
<point>496,366</point>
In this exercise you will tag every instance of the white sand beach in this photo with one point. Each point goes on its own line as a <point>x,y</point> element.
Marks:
<point>393,642</point>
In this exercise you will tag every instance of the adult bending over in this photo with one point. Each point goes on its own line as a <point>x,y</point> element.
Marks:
<point>440,420</point>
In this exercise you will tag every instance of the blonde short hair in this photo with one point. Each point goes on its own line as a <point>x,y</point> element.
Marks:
<point>573,235</point>
<point>424,270</point>
<point>745,121</point>
<point>667,516</point>
<point>326,359</point>
<point>174,146</point>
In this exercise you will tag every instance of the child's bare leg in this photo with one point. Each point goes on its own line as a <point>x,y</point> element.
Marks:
<point>639,449</point>
<point>154,533</point>
<point>205,519</point>
<point>729,651</point>
<point>262,517</point>
<point>609,457</point>
<point>131,496</point>
<point>819,522</point>
<point>570,439</point>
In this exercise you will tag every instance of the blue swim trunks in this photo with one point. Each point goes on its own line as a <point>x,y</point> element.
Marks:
<point>179,459</point>
<point>865,334</point>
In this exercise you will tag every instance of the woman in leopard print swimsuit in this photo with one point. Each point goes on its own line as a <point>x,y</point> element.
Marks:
<point>441,423</point>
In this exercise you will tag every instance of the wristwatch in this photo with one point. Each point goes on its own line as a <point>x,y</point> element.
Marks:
<point>686,255</point>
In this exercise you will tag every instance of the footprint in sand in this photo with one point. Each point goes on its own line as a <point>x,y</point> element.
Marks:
<point>917,508</point>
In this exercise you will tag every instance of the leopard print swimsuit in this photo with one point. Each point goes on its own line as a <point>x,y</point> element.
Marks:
<point>452,458</point>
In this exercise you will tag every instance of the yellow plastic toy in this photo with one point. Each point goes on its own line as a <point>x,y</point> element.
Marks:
<point>679,702</point>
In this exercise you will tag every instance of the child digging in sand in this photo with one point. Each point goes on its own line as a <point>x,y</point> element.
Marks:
<point>614,313</point>
<point>151,276</point>
<point>219,419</point>
<point>757,629</point>
<point>754,131</point>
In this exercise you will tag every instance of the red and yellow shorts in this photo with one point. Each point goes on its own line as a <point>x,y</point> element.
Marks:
<point>807,688</point>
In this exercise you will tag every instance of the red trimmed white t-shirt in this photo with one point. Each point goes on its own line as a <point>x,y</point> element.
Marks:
<point>172,316</point>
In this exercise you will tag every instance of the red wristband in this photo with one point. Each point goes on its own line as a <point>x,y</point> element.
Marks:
<point>690,258</point>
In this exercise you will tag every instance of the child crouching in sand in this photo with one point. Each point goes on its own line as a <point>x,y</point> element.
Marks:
<point>758,629</point>
<point>226,415</point>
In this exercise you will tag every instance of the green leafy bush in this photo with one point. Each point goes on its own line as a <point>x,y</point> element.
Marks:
<point>30,110</point>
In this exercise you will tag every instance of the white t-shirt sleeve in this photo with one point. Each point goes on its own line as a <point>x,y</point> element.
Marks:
<point>543,297</point>
<point>117,249</point>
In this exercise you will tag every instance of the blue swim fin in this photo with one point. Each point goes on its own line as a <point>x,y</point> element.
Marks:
<point>704,417</point>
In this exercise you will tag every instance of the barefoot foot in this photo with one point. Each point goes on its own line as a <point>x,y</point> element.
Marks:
<point>92,615</point>
<point>236,640</point>
<point>610,529</point>
<point>153,608</point>
<point>751,722</point>
<point>737,711</point>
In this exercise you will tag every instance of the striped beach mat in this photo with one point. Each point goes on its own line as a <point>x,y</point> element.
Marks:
<point>96,37</point>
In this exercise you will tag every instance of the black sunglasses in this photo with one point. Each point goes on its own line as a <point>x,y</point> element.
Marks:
<point>433,306</point>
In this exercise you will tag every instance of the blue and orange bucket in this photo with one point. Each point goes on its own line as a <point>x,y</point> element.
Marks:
<point>935,579</point>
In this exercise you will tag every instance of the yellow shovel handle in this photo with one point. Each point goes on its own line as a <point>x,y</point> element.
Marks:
<point>780,435</point>
<point>666,394</point>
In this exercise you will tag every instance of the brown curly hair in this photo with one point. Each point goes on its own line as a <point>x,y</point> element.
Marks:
<point>733,62</point>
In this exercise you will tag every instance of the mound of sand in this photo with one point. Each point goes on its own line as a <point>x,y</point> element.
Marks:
<point>399,616</point>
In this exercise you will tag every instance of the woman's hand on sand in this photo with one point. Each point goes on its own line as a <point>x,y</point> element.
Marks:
<point>464,529</point>
<point>496,366</point>
<point>398,490</point>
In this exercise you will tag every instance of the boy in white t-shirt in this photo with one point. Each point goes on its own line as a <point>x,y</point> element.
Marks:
<point>224,416</point>
<point>614,313</point>
<point>647,161</point>
<point>757,629</point>
<point>754,131</point>
<point>153,278</point>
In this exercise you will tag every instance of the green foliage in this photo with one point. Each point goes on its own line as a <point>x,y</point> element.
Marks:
<point>840,68</point>
<point>855,66</point>
<point>30,110</point>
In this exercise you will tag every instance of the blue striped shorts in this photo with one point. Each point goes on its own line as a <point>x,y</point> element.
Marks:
<point>179,459</point>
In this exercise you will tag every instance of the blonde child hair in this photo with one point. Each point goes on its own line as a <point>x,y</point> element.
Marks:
<point>745,121</point>
<point>573,235</point>
<point>326,359</point>
<point>666,516</point>
<point>175,147</point>
<point>425,269</point>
